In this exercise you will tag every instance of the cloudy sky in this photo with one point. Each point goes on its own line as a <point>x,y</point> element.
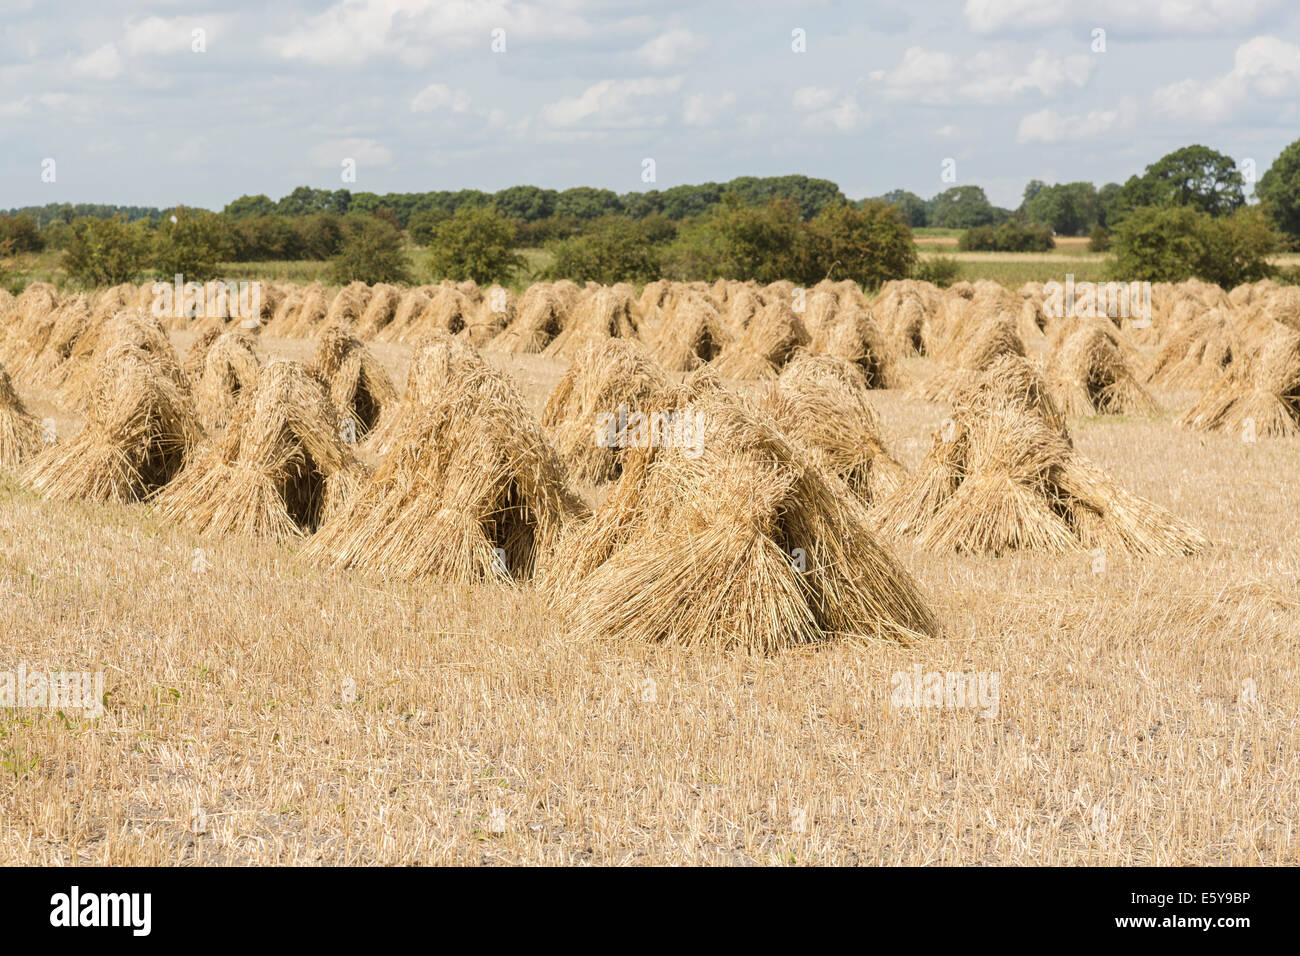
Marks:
<point>452,94</point>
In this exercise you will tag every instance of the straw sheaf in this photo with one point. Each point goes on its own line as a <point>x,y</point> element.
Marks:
<point>854,337</point>
<point>468,474</point>
<point>140,428</point>
<point>410,307</point>
<point>349,305</point>
<point>278,471</point>
<point>766,345</point>
<point>1003,475</point>
<point>297,318</point>
<point>698,551</point>
<point>229,367</point>
<point>1196,355</point>
<point>690,335</point>
<point>20,430</point>
<point>137,328</point>
<point>977,352</point>
<point>359,386</point>
<point>541,316</point>
<point>1260,392</point>
<point>820,403</point>
<point>602,314</point>
<point>1088,374</point>
<point>602,378</point>
<point>437,359</point>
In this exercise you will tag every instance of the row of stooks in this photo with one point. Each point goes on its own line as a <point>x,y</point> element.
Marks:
<point>763,530</point>
<point>1239,346</point>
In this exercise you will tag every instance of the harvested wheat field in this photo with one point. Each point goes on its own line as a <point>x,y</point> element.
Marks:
<point>957,613</point>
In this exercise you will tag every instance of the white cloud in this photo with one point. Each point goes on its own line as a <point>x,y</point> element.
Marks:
<point>102,64</point>
<point>988,77</point>
<point>664,50</point>
<point>948,131</point>
<point>828,110</point>
<point>1264,68</point>
<point>703,110</point>
<point>366,152</point>
<point>1157,17</point>
<point>418,31</point>
<point>1049,126</point>
<point>155,36</point>
<point>814,97</point>
<point>440,96</point>
<point>610,103</point>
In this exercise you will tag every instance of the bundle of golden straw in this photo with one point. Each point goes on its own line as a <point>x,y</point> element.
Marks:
<point>768,342</point>
<point>607,383</point>
<point>280,468</point>
<point>470,492</point>
<point>140,428</point>
<point>1088,374</point>
<point>20,430</point>
<point>743,544</point>
<point>1002,474</point>
<point>221,370</point>
<point>820,403</point>
<point>1258,396</point>
<point>358,384</point>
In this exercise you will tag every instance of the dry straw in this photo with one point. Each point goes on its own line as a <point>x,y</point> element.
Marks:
<point>820,403</point>
<point>541,315</point>
<point>1257,397</point>
<point>987,341</point>
<point>20,430</point>
<point>281,467</point>
<point>1002,475</point>
<point>358,384</point>
<point>604,378</point>
<point>853,335</point>
<point>435,360</point>
<point>745,546</point>
<point>140,427</point>
<point>1088,374</point>
<point>470,492</point>
<point>602,314</point>
<point>766,345</point>
<point>690,334</point>
<point>226,369</point>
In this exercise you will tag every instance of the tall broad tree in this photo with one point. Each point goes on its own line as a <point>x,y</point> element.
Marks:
<point>1279,191</point>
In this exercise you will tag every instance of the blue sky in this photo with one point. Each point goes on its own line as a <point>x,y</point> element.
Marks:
<point>583,92</point>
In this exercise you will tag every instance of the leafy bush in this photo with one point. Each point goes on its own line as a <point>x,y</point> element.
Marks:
<point>372,251</point>
<point>869,244</point>
<point>1279,191</point>
<point>192,243</point>
<point>105,251</point>
<point>1174,243</point>
<point>1012,236</point>
<point>613,249</point>
<point>943,271</point>
<point>474,244</point>
<point>21,234</point>
<point>1099,240</point>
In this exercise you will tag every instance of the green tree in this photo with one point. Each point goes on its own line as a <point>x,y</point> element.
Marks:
<point>105,251</point>
<point>192,243</point>
<point>1279,191</point>
<point>527,203</point>
<point>1069,209</point>
<point>246,207</point>
<point>475,244</point>
<point>586,202</point>
<point>1199,177</point>
<point>613,249</point>
<point>1174,243</point>
<point>22,233</point>
<point>870,244</point>
<point>913,207</point>
<point>372,251</point>
<point>961,207</point>
<point>766,243</point>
